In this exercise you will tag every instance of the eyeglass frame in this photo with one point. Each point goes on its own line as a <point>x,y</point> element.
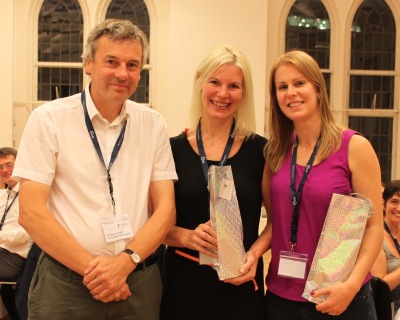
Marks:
<point>7,166</point>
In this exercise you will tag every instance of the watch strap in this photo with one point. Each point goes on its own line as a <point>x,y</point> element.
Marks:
<point>134,255</point>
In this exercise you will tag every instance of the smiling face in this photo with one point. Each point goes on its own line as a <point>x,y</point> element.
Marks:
<point>392,208</point>
<point>6,169</point>
<point>115,71</point>
<point>222,93</point>
<point>297,96</point>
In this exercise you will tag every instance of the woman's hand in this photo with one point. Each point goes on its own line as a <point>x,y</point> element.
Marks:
<point>339,296</point>
<point>247,271</point>
<point>203,239</point>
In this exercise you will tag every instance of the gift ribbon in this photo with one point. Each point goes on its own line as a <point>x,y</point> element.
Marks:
<point>190,257</point>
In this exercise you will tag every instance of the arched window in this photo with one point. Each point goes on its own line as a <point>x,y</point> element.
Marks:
<point>135,11</point>
<point>60,44</point>
<point>372,78</point>
<point>308,29</point>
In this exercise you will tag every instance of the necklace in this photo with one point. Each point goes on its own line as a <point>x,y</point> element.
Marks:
<point>303,148</point>
<point>212,141</point>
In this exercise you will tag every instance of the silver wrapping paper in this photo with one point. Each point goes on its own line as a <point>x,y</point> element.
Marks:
<point>339,243</point>
<point>226,221</point>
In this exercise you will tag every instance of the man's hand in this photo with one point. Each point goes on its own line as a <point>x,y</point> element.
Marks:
<point>106,277</point>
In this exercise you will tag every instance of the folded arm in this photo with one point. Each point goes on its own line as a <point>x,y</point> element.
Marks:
<point>366,180</point>
<point>106,277</point>
<point>46,231</point>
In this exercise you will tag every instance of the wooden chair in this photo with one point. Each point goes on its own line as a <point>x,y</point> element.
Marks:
<point>8,281</point>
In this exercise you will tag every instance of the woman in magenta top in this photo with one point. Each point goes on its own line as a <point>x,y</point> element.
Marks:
<point>304,135</point>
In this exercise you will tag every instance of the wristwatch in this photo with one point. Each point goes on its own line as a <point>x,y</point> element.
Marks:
<point>134,255</point>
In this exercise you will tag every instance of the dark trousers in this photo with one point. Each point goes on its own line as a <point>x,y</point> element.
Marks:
<point>11,265</point>
<point>58,293</point>
<point>7,292</point>
<point>362,307</point>
<point>24,281</point>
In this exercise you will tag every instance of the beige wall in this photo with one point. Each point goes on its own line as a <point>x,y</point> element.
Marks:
<point>182,32</point>
<point>6,79</point>
<point>194,28</point>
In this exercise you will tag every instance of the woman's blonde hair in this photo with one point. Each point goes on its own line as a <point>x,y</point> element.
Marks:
<point>282,128</point>
<point>220,55</point>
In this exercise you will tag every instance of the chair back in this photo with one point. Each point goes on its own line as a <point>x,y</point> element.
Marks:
<point>383,299</point>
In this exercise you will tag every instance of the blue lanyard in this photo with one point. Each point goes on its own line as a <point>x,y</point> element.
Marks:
<point>296,195</point>
<point>3,219</point>
<point>114,154</point>
<point>203,158</point>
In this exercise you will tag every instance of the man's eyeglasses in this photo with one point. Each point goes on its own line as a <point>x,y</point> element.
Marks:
<point>8,165</point>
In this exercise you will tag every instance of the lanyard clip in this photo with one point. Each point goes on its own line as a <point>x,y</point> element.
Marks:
<point>292,245</point>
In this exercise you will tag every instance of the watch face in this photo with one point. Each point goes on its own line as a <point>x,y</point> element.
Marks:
<point>135,257</point>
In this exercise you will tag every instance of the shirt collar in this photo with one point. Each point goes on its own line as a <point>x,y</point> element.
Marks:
<point>93,112</point>
<point>14,190</point>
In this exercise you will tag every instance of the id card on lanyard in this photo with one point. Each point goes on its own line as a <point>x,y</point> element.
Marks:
<point>114,227</point>
<point>293,264</point>
<point>226,192</point>
<point>7,208</point>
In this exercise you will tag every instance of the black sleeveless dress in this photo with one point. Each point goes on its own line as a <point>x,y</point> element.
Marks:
<point>193,291</point>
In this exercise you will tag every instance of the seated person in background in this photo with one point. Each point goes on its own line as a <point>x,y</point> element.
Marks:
<point>387,264</point>
<point>15,242</point>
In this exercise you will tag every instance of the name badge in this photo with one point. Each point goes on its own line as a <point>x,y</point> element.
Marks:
<point>292,265</point>
<point>116,228</point>
<point>226,189</point>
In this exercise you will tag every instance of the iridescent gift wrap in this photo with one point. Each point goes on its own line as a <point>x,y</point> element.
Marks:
<point>226,221</point>
<point>339,243</point>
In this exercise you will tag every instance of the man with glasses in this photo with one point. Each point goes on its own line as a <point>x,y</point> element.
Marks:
<point>15,242</point>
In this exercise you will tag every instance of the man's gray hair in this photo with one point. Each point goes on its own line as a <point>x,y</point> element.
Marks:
<point>6,151</point>
<point>115,29</point>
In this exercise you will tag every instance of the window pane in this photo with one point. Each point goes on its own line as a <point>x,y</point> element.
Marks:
<point>327,77</point>
<point>133,10</point>
<point>60,31</point>
<point>59,82</point>
<point>308,29</point>
<point>373,38</point>
<point>367,91</point>
<point>379,131</point>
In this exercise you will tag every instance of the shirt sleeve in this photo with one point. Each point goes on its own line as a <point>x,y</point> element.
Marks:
<point>16,235</point>
<point>38,149</point>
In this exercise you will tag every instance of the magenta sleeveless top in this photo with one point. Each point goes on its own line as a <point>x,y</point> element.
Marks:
<point>327,177</point>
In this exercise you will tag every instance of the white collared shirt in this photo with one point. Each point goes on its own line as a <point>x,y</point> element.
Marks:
<point>56,150</point>
<point>13,237</point>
